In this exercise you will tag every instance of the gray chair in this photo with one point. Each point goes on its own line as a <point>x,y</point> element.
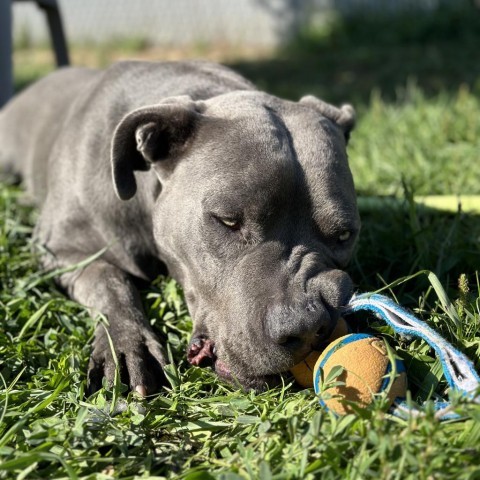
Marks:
<point>57,35</point>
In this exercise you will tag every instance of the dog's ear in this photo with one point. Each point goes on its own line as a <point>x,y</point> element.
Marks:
<point>152,135</point>
<point>344,116</point>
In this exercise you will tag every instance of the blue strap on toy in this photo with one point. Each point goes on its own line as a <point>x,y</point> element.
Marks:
<point>458,369</point>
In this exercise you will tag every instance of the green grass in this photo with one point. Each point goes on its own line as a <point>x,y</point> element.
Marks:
<point>51,430</point>
<point>417,137</point>
<point>430,143</point>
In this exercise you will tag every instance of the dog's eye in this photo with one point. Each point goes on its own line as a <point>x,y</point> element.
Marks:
<point>344,236</point>
<point>230,222</point>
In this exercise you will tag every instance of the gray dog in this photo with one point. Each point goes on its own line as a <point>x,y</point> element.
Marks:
<point>245,198</point>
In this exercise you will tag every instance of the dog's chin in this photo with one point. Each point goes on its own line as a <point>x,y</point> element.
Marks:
<point>202,352</point>
<point>257,383</point>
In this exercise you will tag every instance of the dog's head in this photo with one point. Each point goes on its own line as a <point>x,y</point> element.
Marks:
<point>256,218</point>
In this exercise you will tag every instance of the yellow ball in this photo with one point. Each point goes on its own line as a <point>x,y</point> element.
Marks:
<point>366,368</point>
<point>303,371</point>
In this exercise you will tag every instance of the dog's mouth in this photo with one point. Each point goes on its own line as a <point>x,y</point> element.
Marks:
<point>202,353</point>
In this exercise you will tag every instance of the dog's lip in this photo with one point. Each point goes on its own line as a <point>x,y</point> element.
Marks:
<point>222,369</point>
<point>202,352</point>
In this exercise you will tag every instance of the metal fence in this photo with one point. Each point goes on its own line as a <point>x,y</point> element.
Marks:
<point>189,22</point>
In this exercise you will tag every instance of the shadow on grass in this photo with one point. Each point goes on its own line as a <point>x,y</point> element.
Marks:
<point>398,242</point>
<point>348,58</point>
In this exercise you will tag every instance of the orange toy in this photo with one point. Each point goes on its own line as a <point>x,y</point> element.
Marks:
<point>303,371</point>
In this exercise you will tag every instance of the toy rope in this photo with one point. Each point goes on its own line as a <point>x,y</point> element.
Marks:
<point>458,369</point>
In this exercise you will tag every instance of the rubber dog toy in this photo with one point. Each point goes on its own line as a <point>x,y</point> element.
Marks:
<point>459,371</point>
<point>367,371</point>
<point>457,368</point>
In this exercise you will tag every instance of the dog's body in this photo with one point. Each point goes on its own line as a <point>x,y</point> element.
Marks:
<point>246,198</point>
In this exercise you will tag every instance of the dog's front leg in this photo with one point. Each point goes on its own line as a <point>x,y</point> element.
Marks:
<point>106,289</point>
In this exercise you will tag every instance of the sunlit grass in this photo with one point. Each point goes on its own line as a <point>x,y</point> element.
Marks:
<point>200,428</point>
<point>51,430</point>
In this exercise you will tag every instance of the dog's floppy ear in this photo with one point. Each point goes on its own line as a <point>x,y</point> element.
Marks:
<point>147,136</point>
<point>344,116</point>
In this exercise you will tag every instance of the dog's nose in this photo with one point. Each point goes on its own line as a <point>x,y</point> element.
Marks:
<point>334,287</point>
<point>299,328</point>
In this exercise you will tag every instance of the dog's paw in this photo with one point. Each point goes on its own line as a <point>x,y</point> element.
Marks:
<point>140,359</point>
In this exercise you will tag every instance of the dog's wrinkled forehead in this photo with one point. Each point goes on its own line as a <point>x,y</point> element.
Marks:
<point>264,127</point>
<point>256,151</point>
<point>240,103</point>
<point>274,144</point>
<point>243,136</point>
<point>255,113</point>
